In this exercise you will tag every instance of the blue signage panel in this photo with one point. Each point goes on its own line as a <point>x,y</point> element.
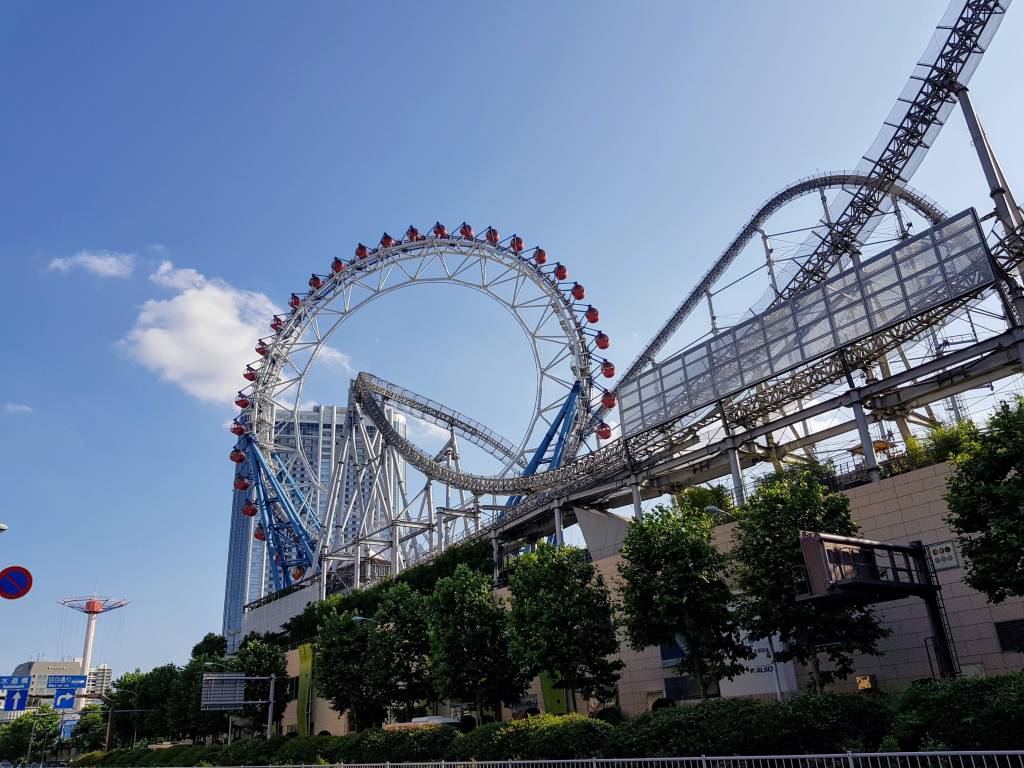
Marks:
<point>64,698</point>
<point>15,681</point>
<point>67,728</point>
<point>65,681</point>
<point>16,700</point>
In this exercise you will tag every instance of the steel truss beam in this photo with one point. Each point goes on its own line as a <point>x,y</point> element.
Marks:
<point>914,199</point>
<point>910,138</point>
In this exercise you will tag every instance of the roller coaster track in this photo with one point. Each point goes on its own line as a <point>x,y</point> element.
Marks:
<point>916,200</point>
<point>906,137</point>
<point>441,415</point>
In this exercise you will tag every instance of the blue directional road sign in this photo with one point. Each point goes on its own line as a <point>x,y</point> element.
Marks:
<point>64,698</point>
<point>16,700</point>
<point>65,681</point>
<point>15,681</point>
<point>67,728</point>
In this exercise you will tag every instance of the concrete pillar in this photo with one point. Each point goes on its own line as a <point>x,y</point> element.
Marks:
<point>867,442</point>
<point>737,476</point>
<point>638,511</point>
<point>559,532</point>
<point>494,555</point>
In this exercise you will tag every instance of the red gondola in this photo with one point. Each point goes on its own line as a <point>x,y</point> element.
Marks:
<point>262,349</point>
<point>298,572</point>
<point>294,302</point>
<point>517,243</point>
<point>241,484</point>
<point>242,401</point>
<point>492,236</point>
<point>607,369</point>
<point>315,282</point>
<point>466,231</point>
<point>361,251</point>
<point>277,323</point>
<point>603,431</point>
<point>561,273</point>
<point>608,399</point>
<point>577,292</point>
<point>259,534</point>
<point>237,456</point>
<point>540,256</point>
<point>249,509</point>
<point>592,314</point>
<point>413,235</point>
<point>602,341</point>
<point>237,429</point>
<point>337,265</point>
<point>440,230</point>
<point>387,241</point>
<point>249,374</point>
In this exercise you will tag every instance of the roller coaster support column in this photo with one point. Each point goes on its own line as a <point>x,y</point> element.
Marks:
<point>734,460</point>
<point>1006,207</point>
<point>866,441</point>
<point>769,260</point>
<point>638,511</point>
<point>495,554</point>
<point>559,531</point>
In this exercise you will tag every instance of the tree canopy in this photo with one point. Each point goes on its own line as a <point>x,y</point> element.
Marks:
<point>398,647</point>
<point>985,494</point>
<point>768,561</point>
<point>469,643</point>
<point>563,621</point>
<point>675,590</point>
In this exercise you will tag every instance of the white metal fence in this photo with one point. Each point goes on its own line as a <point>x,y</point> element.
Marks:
<point>965,759</point>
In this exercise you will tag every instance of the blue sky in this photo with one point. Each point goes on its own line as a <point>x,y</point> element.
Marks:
<point>246,144</point>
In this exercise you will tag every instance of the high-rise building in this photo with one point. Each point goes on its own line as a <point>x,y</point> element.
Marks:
<point>323,430</point>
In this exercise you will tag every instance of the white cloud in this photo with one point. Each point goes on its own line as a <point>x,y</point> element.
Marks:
<point>18,408</point>
<point>102,263</point>
<point>419,430</point>
<point>202,337</point>
<point>333,357</point>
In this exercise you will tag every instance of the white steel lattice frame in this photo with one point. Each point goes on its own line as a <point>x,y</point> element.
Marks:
<point>562,348</point>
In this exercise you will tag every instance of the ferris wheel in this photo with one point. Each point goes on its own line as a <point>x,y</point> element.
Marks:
<point>278,480</point>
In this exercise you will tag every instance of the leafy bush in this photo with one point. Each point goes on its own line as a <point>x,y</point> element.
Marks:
<point>88,759</point>
<point>718,727</point>
<point>554,737</point>
<point>835,722</point>
<point>479,744</point>
<point>971,713</point>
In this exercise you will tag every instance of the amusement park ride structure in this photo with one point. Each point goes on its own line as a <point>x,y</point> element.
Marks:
<point>748,391</point>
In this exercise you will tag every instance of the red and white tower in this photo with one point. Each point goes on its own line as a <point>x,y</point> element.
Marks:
<point>91,607</point>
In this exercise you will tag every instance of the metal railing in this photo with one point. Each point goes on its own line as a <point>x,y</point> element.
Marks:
<point>962,759</point>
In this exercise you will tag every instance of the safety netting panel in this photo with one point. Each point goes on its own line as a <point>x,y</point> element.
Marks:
<point>940,265</point>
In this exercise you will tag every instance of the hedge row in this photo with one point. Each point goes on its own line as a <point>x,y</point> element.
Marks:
<point>984,713</point>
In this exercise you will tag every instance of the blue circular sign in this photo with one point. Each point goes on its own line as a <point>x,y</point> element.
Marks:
<point>15,582</point>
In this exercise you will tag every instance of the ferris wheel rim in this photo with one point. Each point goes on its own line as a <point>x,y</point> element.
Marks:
<point>574,349</point>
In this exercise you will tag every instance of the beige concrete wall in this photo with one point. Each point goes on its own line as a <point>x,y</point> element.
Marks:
<point>910,507</point>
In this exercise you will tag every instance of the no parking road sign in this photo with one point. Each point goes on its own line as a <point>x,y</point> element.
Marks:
<point>15,582</point>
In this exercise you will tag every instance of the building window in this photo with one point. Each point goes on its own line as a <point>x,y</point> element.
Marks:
<point>1011,636</point>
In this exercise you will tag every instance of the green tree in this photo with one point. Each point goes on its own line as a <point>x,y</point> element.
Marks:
<point>984,494</point>
<point>342,672</point>
<point>259,658</point>
<point>30,737</point>
<point>768,561</point>
<point>152,693</point>
<point>211,645</point>
<point>184,716</point>
<point>563,621</point>
<point>674,589</point>
<point>124,695</point>
<point>91,729</point>
<point>469,643</point>
<point>398,649</point>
